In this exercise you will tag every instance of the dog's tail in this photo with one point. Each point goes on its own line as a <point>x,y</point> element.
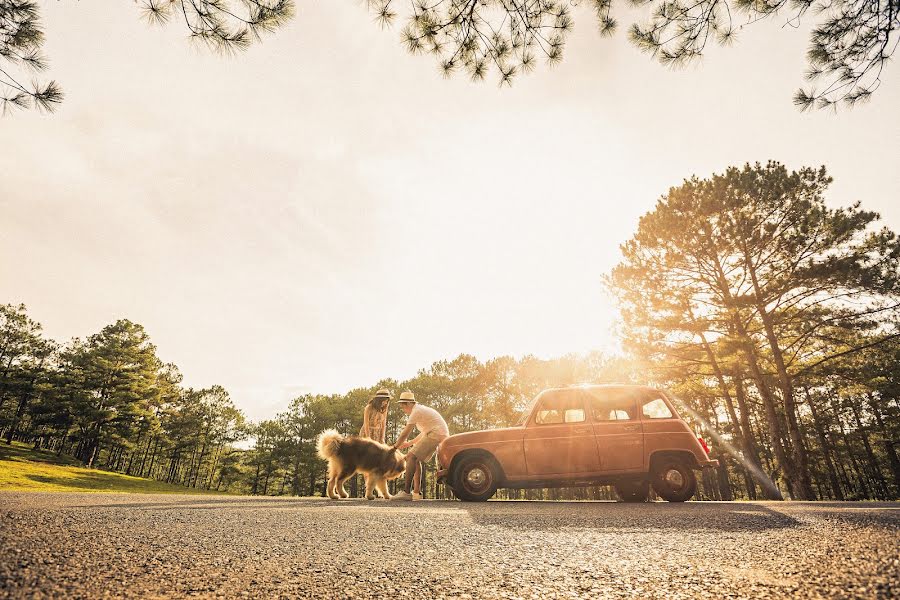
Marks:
<point>328,443</point>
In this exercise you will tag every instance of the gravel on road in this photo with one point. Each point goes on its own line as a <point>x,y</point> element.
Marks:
<point>123,545</point>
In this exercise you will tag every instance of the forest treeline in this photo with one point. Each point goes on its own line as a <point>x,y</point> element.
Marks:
<point>109,401</point>
<point>772,316</point>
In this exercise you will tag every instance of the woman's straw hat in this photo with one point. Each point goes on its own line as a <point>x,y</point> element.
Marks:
<point>383,393</point>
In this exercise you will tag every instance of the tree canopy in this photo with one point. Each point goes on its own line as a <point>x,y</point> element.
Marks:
<point>850,45</point>
<point>747,286</point>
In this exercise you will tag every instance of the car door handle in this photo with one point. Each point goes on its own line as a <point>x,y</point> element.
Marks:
<point>580,429</point>
<point>634,427</point>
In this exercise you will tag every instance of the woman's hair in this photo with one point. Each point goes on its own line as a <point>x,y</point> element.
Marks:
<point>379,403</point>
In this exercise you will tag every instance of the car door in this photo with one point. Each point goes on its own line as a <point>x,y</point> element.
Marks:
<point>558,437</point>
<point>617,428</point>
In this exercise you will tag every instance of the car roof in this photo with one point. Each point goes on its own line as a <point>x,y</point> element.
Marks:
<point>600,386</point>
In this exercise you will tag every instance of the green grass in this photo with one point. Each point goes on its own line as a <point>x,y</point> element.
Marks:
<point>25,470</point>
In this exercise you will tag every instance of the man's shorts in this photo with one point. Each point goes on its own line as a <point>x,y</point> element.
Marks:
<point>425,448</point>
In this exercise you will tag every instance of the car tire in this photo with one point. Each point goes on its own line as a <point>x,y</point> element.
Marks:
<point>633,491</point>
<point>674,480</point>
<point>475,478</point>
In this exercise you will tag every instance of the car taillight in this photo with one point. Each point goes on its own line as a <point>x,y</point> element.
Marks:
<point>703,444</point>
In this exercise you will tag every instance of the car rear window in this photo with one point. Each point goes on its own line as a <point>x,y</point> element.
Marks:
<point>611,404</point>
<point>563,406</point>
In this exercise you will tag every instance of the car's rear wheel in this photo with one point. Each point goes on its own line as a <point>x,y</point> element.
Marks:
<point>475,478</point>
<point>633,491</point>
<point>674,480</point>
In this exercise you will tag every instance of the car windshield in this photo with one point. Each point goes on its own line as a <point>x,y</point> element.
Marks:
<point>527,412</point>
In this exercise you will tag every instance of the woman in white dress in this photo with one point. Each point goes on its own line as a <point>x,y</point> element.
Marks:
<point>375,416</point>
<point>374,423</point>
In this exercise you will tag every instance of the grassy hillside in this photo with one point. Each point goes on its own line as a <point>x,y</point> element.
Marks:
<point>22,469</point>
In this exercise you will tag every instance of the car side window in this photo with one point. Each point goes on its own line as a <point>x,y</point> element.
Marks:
<point>560,408</point>
<point>612,406</point>
<point>656,409</point>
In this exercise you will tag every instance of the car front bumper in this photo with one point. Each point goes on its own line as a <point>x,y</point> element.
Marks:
<point>711,463</point>
<point>442,475</point>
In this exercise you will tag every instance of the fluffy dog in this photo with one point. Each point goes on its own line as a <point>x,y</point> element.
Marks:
<point>347,456</point>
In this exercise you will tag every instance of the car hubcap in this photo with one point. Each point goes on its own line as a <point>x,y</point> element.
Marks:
<point>674,479</point>
<point>476,478</point>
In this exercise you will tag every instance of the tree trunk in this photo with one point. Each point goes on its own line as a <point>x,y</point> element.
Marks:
<point>265,489</point>
<point>255,486</point>
<point>776,428</point>
<point>17,416</point>
<point>94,451</point>
<point>842,473</point>
<point>136,451</point>
<point>745,441</point>
<point>725,492</point>
<point>801,460</point>
<point>826,449</point>
<point>751,451</point>
<point>203,449</point>
<point>877,475</point>
<point>295,479</point>
<point>144,454</point>
<point>860,475</point>
<point>749,483</point>
<point>152,459</point>
<point>173,467</point>
<point>215,464</point>
<point>890,450</point>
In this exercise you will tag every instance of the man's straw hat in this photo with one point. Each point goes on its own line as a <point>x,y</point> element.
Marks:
<point>407,396</point>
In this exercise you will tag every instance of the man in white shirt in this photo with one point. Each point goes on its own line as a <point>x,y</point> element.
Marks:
<point>432,431</point>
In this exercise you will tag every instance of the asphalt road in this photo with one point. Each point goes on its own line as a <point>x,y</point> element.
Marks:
<point>96,545</point>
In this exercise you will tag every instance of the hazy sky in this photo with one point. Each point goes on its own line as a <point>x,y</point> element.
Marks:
<point>326,209</point>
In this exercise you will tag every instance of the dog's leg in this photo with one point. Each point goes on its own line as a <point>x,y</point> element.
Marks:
<point>332,482</point>
<point>381,484</point>
<point>370,485</point>
<point>339,488</point>
<point>332,488</point>
<point>344,476</point>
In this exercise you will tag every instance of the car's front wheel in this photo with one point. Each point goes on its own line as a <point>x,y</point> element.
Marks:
<point>674,480</point>
<point>633,491</point>
<point>474,479</point>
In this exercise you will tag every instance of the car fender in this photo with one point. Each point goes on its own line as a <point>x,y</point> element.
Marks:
<point>461,455</point>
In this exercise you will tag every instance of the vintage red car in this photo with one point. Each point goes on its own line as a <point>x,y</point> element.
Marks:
<point>627,436</point>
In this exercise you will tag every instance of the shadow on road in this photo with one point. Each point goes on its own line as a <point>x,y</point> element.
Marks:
<point>523,515</point>
<point>547,516</point>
